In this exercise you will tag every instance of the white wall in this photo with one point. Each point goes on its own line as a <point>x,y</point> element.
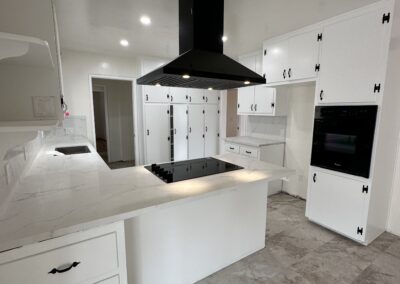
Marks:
<point>392,87</point>
<point>120,118</point>
<point>18,84</point>
<point>78,66</point>
<point>299,137</point>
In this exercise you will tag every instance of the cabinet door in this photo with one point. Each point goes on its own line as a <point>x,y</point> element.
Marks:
<point>178,95</point>
<point>180,120</point>
<point>264,100</point>
<point>211,122</point>
<point>275,61</point>
<point>154,94</point>
<point>352,59</point>
<point>303,55</point>
<point>245,100</point>
<point>196,131</point>
<point>337,203</point>
<point>196,96</point>
<point>157,133</point>
<point>212,97</point>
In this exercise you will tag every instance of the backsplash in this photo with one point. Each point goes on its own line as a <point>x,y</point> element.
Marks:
<point>266,127</point>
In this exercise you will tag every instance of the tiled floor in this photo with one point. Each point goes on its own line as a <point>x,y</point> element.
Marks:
<point>298,251</point>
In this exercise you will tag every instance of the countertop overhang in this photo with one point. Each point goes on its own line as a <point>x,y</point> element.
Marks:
<point>65,194</point>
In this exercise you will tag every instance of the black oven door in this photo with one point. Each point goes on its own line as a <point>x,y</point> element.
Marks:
<point>343,138</point>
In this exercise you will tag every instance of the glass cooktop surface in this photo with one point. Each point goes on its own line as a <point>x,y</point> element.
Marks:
<point>190,169</point>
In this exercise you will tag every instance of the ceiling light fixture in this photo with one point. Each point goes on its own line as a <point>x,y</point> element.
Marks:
<point>186,76</point>
<point>145,20</point>
<point>124,42</point>
<point>210,89</point>
<point>247,82</point>
<point>224,38</point>
<point>158,85</point>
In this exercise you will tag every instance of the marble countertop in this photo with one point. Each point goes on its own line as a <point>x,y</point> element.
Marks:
<point>253,141</point>
<point>65,194</point>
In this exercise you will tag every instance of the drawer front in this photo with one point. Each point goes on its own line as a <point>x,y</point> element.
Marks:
<point>92,258</point>
<point>232,148</point>
<point>111,280</point>
<point>249,152</point>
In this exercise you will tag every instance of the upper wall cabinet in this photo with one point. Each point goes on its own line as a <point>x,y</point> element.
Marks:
<point>155,94</point>
<point>353,58</point>
<point>291,58</point>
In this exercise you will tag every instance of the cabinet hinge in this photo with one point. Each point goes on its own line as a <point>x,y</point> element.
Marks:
<point>365,189</point>
<point>385,18</point>
<point>377,88</point>
<point>360,230</point>
<point>317,67</point>
<point>319,37</point>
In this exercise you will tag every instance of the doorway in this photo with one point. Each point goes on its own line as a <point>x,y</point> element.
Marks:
<point>114,121</point>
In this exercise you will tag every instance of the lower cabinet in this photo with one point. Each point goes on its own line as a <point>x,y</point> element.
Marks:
<point>196,131</point>
<point>338,203</point>
<point>93,256</point>
<point>157,133</point>
<point>211,126</point>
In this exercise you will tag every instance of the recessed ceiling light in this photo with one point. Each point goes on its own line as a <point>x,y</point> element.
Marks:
<point>210,89</point>
<point>104,65</point>
<point>145,20</point>
<point>246,82</point>
<point>224,38</point>
<point>186,76</point>
<point>124,42</point>
<point>158,85</point>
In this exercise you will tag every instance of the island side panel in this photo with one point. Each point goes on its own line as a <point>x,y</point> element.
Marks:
<point>187,242</point>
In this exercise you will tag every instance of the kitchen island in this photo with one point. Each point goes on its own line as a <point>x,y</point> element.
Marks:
<point>61,195</point>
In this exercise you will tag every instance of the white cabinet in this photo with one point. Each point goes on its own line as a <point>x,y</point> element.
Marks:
<point>196,131</point>
<point>180,138</point>
<point>211,97</point>
<point>178,95</point>
<point>211,128</point>
<point>93,256</point>
<point>262,100</point>
<point>157,133</point>
<point>196,96</point>
<point>292,58</point>
<point>339,203</point>
<point>353,59</point>
<point>155,94</point>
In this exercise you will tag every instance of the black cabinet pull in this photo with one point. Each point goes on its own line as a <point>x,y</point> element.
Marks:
<point>190,130</point>
<point>238,106</point>
<point>167,96</point>
<point>203,98</point>
<point>62,270</point>
<point>169,138</point>
<point>175,131</point>
<point>272,105</point>
<point>251,107</point>
<point>147,97</point>
<point>255,107</point>
<point>321,95</point>
<point>248,152</point>
<point>314,177</point>
<point>206,128</point>
<point>231,148</point>
<point>172,98</point>
<point>190,99</point>
<point>148,132</point>
<point>206,99</point>
<point>290,72</point>
<point>284,74</point>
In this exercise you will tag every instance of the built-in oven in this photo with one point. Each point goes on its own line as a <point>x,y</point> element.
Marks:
<point>343,138</point>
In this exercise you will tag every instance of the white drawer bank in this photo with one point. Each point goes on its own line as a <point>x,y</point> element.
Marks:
<point>271,151</point>
<point>92,256</point>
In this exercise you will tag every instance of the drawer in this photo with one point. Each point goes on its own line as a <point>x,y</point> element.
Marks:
<point>249,152</point>
<point>232,148</point>
<point>80,262</point>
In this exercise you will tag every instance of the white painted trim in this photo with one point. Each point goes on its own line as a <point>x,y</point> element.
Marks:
<point>134,109</point>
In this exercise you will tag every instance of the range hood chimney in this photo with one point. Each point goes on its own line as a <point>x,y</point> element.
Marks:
<point>201,63</point>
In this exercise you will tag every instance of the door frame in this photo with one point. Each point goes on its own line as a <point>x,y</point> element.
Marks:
<point>134,109</point>
<point>104,91</point>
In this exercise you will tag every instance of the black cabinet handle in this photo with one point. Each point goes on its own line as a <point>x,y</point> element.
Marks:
<point>248,152</point>
<point>167,96</point>
<point>206,128</point>
<point>251,107</point>
<point>321,95</point>
<point>190,99</point>
<point>147,97</point>
<point>314,177</point>
<point>272,105</point>
<point>172,98</point>
<point>284,74</point>
<point>175,131</point>
<point>255,107</point>
<point>203,98</point>
<point>169,138</point>
<point>290,72</point>
<point>190,130</point>
<point>231,148</point>
<point>62,270</point>
<point>206,99</point>
<point>148,132</point>
<point>238,106</point>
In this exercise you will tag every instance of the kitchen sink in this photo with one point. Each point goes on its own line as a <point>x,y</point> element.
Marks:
<point>73,150</point>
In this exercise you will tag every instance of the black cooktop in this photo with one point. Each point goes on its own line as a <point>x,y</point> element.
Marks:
<point>183,170</point>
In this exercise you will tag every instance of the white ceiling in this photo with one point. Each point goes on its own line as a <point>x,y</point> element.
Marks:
<point>98,25</point>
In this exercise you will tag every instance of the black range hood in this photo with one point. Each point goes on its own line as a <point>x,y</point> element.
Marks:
<point>201,63</point>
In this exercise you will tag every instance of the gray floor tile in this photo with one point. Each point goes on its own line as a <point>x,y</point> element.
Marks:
<point>394,249</point>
